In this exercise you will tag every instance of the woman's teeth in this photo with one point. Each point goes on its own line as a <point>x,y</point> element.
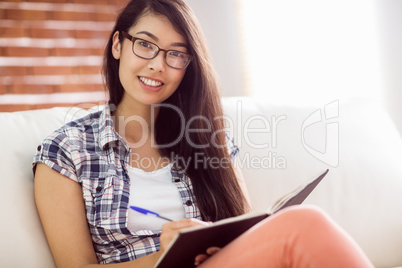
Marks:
<point>149,82</point>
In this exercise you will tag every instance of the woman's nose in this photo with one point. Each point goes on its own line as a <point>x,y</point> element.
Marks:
<point>158,63</point>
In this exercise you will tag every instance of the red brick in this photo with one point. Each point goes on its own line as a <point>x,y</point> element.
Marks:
<point>70,15</point>
<point>29,70</point>
<point>92,34</point>
<point>14,107</point>
<point>118,3</point>
<point>66,51</point>
<point>32,89</point>
<point>13,70</point>
<point>87,70</point>
<point>97,51</point>
<point>92,2</point>
<point>52,70</point>
<point>21,14</point>
<point>98,16</point>
<point>3,89</point>
<point>79,87</point>
<point>49,1</point>
<point>42,32</point>
<point>26,52</point>
<point>51,33</point>
<point>82,16</point>
<point>17,31</point>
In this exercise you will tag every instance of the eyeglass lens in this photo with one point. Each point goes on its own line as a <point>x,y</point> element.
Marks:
<point>147,50</point>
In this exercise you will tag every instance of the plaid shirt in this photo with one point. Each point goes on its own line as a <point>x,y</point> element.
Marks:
<point>90,152</point>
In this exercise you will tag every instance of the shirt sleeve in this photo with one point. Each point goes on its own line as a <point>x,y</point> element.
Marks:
<point>233,150</point>
<point>55,152</point>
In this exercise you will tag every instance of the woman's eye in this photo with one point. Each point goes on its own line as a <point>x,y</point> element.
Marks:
<point>177,54</point>
<point>145,44</point>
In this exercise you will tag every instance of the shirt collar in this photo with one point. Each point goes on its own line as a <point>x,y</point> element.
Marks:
<point>108,136</point>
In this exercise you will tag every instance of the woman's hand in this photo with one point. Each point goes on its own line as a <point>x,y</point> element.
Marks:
<point>203,257</point>
<point>170,229</point>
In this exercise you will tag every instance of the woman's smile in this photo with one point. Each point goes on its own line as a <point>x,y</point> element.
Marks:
<point>150,83</point>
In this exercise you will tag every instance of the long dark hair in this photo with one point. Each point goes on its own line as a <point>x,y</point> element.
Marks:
<point>216,189</point>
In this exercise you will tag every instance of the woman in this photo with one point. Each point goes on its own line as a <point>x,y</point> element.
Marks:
<point>153,146</point>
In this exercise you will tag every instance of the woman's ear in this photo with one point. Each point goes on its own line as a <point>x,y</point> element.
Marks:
<point>116,47</point>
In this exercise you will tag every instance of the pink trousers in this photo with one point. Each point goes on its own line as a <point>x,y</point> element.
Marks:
<point>295,237</point>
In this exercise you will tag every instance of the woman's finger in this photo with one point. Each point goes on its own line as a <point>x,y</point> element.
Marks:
<point>212,250</point>
<point>170,229</point>
<point>200,258</point>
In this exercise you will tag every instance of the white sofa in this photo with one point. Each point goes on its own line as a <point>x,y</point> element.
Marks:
<point>355,140</point>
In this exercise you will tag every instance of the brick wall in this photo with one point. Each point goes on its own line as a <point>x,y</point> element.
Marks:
<point>51,52</point>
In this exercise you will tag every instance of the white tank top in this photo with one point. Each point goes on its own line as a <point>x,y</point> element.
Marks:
<point>154,191</point>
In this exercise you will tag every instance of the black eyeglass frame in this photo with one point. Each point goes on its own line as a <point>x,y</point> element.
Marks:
<point>133,39</point>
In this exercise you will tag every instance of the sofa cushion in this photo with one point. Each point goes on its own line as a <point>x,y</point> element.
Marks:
<point>355,139</point>
<point>24,243</point>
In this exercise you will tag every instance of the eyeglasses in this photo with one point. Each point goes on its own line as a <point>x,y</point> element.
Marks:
<point>147,50</point>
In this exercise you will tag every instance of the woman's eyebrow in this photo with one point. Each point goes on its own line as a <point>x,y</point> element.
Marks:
<point>149,35</point>
<point>156,39</point>
<point>179,45</point>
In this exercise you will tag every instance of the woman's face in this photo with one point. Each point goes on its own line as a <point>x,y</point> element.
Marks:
<point>145,81</point>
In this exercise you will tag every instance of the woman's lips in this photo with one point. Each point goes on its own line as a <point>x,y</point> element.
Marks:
<point>150,84</point>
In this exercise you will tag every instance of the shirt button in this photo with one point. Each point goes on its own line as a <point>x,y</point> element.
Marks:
<point>39,148</point>
<point>189,203</point>
<point>98,189</point>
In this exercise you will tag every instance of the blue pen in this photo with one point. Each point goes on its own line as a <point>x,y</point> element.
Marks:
<point>148,212</point>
